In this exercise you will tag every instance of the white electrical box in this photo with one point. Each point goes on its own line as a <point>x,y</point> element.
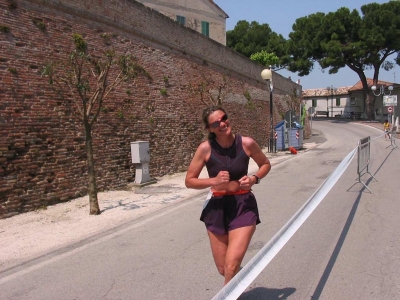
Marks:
<point>140,152</point>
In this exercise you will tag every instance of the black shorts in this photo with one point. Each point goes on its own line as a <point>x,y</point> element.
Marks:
<point>225,213</point>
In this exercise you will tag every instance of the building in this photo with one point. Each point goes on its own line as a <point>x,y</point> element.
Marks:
<point>203,16</point>
<point>348,101</point>
<point>329,101</point>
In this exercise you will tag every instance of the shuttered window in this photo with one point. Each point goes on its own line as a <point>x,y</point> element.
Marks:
<point>205,28</point>
<point>181,20</point>
<point>314,102</point>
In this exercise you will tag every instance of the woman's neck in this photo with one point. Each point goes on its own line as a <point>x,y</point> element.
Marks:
<point>226,141</point>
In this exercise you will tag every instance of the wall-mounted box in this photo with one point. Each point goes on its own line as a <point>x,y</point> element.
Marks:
<point>140,152</point>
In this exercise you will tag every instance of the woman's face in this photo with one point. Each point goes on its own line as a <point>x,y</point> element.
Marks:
<point>218,122</point>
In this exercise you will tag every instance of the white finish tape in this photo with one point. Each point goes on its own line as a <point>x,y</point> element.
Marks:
<point>254,267</point>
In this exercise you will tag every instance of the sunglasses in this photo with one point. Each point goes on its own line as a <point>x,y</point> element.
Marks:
<point>216,124</point>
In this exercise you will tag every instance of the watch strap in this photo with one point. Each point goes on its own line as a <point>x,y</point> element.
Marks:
<point>257,179</point>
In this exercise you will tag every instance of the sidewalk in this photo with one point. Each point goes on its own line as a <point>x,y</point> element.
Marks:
<point>30,235</point>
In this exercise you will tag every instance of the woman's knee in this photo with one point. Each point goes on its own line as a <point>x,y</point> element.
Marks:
<point>232,267</point>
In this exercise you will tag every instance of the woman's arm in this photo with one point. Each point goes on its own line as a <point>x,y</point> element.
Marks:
<point>264,166</point>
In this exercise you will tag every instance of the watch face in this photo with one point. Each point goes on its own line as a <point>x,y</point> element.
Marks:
<point>257,179</point>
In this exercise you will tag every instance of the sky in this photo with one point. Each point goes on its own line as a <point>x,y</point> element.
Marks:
<point>281,15</point>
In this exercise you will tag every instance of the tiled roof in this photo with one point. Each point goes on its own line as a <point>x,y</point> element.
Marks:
<point>344,90</point>
<point>358,86</point>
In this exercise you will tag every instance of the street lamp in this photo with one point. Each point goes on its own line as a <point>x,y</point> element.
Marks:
<point>266,74</point>
<point>381,92</point>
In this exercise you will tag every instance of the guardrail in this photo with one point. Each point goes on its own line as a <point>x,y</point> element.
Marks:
<point>393,135</point>
<point>364,158</point>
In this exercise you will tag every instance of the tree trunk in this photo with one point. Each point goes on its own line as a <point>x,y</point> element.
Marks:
<point>92,185</point>
<point>370,106</point>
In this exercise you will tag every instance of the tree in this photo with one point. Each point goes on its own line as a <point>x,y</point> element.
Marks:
<point>294,101</point>
<point>249,38</point>
<point>209,92</point>
<point>84,82</point>
<point>266,59</point>
<point>344,38</point>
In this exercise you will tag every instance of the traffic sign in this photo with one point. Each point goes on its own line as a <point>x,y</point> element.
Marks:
<point>390,100</point>
<point>390,109</point>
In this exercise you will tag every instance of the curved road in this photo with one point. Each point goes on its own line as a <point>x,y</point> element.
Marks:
<point>349,248</point>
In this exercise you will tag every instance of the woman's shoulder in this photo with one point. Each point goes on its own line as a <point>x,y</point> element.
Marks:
<point>204,146</point>
<point>248,141</point>
<point>249,144</point>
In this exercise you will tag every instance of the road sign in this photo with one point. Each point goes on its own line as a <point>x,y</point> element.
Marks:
<point>390,100</point>
<point>390,109</point>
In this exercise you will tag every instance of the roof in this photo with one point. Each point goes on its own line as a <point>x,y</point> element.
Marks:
<point>212,2</point>
<point>325,92</point>
<point>344,90</point>
<point>358,86</point>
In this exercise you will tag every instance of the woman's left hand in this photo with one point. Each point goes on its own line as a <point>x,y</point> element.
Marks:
<point>246,182</point>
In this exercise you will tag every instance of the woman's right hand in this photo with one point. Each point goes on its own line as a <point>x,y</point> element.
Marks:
<point>221,178</point>
<point>223,183</point>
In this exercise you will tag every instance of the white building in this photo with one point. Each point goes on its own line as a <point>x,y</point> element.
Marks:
<point>347,101</point>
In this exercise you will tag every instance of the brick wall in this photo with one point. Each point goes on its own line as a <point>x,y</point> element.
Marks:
<point>42,149</point>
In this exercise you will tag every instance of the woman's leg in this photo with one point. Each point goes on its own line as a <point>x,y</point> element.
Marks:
<point>219,245</point>
<point>238,242</point>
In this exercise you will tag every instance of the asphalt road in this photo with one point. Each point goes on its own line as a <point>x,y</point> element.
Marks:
<point>349,248</point>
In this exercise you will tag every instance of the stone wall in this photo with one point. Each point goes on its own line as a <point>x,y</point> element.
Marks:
<point>42,146</point>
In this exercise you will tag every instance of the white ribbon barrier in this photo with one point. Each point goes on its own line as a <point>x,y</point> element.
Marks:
<point>254,267</point>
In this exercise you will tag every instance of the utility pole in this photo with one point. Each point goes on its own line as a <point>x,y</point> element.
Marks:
<point>331,89</point>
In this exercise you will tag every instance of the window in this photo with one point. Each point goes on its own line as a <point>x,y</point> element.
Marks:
<point>205,28</point>
<point>181,20</point>
<point>353,101</point>
<point>337,101</point>
<point>314,102</point>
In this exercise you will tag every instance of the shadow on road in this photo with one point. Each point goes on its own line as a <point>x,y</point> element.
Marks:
<point>336,251</point>
<point>339,244</point>
<point>260,293</point>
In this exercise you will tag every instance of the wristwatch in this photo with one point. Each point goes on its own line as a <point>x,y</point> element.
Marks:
<point>257,179</point>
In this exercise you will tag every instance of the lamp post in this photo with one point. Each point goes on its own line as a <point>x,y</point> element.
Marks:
<point>383,93</point>
<point>266,74</point>
<point>382,90</point>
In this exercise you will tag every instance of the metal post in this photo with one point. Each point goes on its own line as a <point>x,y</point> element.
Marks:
<point>327,106</point>
<point>271,137</point>
<point>266,74</point>
<point>331,101</point>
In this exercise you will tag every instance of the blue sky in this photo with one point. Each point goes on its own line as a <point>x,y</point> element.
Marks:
<point>280,16</point>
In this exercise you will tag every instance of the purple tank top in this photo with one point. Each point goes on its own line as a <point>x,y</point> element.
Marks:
<point>232,159</point>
